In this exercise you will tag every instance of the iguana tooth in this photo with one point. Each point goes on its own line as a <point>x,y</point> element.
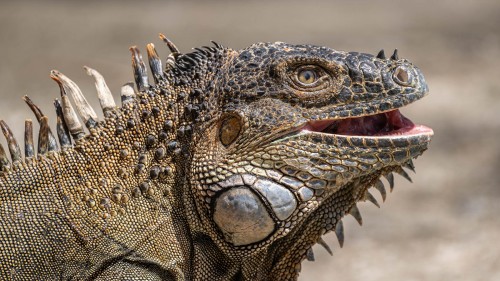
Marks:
<point>15,151</point>
<point>62,129</point>
<point>39,114</point>
<point>390,180</point>
<point>4,161</point>
<point>155,63</point>
<point>171,46</point>
<point>127,93</point>
<point>339,232</point>
<point>310,254</point>
<point>75,127</point>
<point>82,106</point>
<point>379,185</point>
<point>140,70</point>
<point>105,97</point>
<point>381,55</point>
<point>403,173</point>
<point>43,136</point>
<point>395,55</point>
<point>29,150</point>
<point>372,199</point>
<point>325,246</point>
<point>356,214</point>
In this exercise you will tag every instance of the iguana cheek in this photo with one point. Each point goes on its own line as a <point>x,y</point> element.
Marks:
<point>242,217</point>
<point>244,213</point>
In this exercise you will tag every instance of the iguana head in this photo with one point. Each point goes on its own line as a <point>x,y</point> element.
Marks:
<point>234,163</point>
<point>298,135</point>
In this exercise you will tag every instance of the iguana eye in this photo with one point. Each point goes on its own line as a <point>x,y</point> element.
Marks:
<point>307,76</point>
<point>229,130</point>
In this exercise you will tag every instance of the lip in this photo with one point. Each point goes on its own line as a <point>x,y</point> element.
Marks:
<point>390,124</point>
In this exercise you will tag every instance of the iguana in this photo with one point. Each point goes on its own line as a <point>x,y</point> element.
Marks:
<point>230,166</point>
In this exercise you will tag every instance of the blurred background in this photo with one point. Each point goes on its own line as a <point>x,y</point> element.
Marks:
<point>444,226</point>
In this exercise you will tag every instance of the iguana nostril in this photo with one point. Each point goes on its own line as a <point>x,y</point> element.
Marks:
<point>401,76</point>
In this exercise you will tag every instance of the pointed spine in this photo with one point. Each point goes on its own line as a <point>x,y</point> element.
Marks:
<point>171,46</point>
<point>155,63</point>
<point>379,185</point>
<point>39,114</point>
<point>127,93</point>
<point>310,254</point>
<point>104,94</point>
<point>4,161</point>
<point>43,136</point>
<point>15,151</point>
<point>409,165</point>
<point>62,129</point>
<point>381,55</point>
<point>325,246</point>
<point>139,69</point>
<point>390,180</point>
<point>339,232</point>
<point>29,148</point>
<point>395,55</point>
<point>400,171</point>
<point>356,214</point>
<point>217,45</point>
<point>75,127</point>
<point>372,199</point>
<point>82,105</point>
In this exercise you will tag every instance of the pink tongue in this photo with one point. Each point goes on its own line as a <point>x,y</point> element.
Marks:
<point>397,120</point>
<point>380,124</point>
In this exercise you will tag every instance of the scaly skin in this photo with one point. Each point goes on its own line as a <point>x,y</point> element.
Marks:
<point>230,168</point>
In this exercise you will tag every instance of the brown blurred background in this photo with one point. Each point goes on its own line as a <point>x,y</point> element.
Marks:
<point>444,226</point>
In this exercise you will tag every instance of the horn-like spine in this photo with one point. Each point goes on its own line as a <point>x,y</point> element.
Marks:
<point>127,93</point>
<point>140,70</point>
<point>15,151</point>
<point>217,45</point>
<point>390,180</point>
<point>29,148</point>
<point>325,245</point>
<point>82,106</point>
<point>379,185</point>
<point>339,232</point>
<point>395,55</point>
<point>410,166</point>
<point>155,63</point>
<point>356,214</point>
<point>171,46</point>
<point>372,199</point>
<point>105,96</point>
<point>403,173</point>
<point>381,55</point>
<point>39,114</point>
<point>4,161</point>
<point>310,254</point>
<point>43,136</point>
<point>62,129</point>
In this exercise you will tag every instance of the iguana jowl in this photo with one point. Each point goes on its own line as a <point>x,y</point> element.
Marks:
<point>230,167</point>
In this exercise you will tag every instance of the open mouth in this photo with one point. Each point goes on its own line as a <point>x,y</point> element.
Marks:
<point>391,123</point>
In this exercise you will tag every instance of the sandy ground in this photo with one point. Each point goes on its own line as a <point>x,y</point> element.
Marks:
<point>444,226</point>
